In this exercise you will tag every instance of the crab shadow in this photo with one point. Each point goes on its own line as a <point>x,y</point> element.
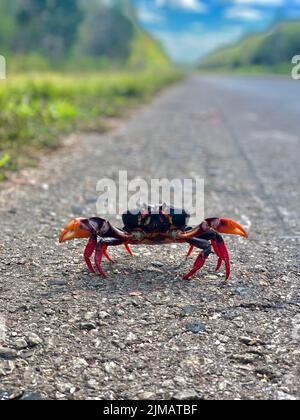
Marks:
<point>145,280</point>
<point>145,274</point>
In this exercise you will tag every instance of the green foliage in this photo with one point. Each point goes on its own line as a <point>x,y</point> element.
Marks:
<point>63,66</point>
<point>36,109</point>
<point>47,26</point>
<point>7,26</point>
<point>271,51</point>
<point>4,161</point>
<point>42,35</point>
<point>106,32</point>
<point>59,30</point>
<point>146,53</point>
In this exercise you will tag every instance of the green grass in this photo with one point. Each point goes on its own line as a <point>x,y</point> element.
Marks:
<point>37,109</point>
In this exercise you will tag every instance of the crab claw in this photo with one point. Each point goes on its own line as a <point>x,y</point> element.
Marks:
<point>76,229</point>
<point>229,226</point>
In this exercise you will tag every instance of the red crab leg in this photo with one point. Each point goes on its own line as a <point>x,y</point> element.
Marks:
<point>217,252</point>
<point>222,252</point>
<point>199,263</point>
<point>190,251</point>
<point>88,252</point>
<point>98,259</point>
<point>128,250</point>
<point>105,253</point>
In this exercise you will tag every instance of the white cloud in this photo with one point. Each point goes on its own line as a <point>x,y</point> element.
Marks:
<point>272,3</point>
<point>243,13</point>
<point>189,46</point>
<point>148,15</point>
<point>189,5</point>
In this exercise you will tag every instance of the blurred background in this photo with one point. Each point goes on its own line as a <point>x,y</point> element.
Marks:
<point>71,62</point>
<point>260,35</point>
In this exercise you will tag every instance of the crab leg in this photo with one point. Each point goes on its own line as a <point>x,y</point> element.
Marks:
<point>199,263</point>
<point>202,257</point>
<point>219,248</point>
<point>105,253</point>
<point>98,258</point>
<point>218,254</point>
<point>128,249</point>
<point>191,248</point>
<point>113,242</point>
<point>221,251</point>
<point>88,252</point>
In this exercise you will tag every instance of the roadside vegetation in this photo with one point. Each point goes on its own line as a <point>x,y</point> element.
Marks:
<point>93,66</point>
<point>263,53</point>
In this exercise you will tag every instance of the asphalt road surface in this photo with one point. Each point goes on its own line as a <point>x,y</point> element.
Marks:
<point>144,333</point>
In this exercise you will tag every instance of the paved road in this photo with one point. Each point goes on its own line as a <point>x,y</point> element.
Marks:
<point>72,335</point>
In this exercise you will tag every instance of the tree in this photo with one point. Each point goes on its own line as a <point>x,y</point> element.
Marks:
<point>47,26</point>
<point>7,25</point>
<point>107,32</point>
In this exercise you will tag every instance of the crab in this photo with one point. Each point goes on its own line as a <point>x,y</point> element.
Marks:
<point>154,225</point>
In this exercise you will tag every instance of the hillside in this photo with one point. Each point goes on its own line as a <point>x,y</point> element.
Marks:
<point>270,51</point>
<point>78,73</point>
<point>94,37</point>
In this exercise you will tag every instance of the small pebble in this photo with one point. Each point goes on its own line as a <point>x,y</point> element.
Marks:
<point>190,394</point>
<point>103,314</point>
<point>33,340</point>
<point>7,354</point>
<point>20,344</point>
<point>57,282</point>
<point>196,327</point>
<point>88,326</point>
<point>109,367</point>
<point>80,363</point>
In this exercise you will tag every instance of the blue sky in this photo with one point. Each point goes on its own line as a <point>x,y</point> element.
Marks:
<point>189,29</point>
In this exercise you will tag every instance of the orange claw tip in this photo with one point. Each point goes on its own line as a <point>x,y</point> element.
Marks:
<point>232,227</point>
<point>73,230</point>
